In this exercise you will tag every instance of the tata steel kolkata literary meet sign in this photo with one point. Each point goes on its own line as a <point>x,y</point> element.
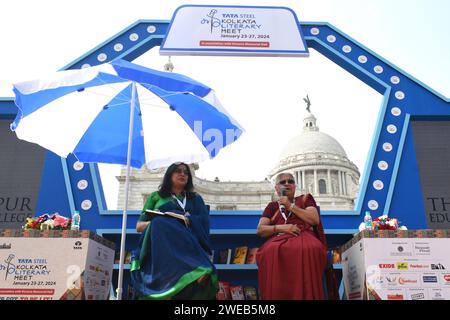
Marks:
<point>234,31</point>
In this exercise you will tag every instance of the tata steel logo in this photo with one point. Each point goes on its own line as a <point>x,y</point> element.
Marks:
<point>211,20</point>
<point>402,265</point>
<point>386,266</point>
<point>77,245</point>
<point>404,281</point>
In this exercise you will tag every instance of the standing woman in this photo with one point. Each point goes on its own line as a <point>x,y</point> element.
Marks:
<point>172,260</point>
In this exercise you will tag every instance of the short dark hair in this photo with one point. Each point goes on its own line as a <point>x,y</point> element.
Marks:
<point>165,188</point>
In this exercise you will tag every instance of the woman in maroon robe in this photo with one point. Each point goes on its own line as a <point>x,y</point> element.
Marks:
<point>292,261</point>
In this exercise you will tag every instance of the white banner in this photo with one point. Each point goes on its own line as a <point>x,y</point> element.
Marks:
<point>54,268</point>
<point>397,269</point>
<point>234,30</point>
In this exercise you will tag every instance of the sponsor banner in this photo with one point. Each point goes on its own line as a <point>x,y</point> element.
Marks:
<point>55,269</point>
<point>399,269</point>
<point>234,30</point>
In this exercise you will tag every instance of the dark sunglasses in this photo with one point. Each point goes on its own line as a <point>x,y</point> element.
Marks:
<point>181,170</point>
<point>289,181</point>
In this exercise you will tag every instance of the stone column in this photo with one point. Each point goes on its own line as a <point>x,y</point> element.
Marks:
<point>329,187</point>
<point>340,182</point>
<point>303,172</point>
<point>316,190</point>
<point>344,175</point>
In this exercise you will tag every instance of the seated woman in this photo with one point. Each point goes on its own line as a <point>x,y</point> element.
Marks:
<point>172,259</point>
<point>292,261</point>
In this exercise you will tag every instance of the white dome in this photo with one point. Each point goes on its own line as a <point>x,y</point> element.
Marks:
<point>311,142</point>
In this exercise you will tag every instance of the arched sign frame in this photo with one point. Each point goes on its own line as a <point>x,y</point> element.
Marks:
<point>390,180</point>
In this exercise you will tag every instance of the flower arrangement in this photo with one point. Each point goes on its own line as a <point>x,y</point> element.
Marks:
<point>383,223</point>
<point>48,222</point>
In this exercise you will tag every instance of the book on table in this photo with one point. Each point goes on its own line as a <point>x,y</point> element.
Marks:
<point>154,213</point>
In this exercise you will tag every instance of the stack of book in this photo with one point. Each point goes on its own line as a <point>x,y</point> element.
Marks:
<point>239,255</point>
<point>232,292</point>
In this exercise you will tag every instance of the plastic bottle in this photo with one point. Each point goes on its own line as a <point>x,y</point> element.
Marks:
<point>75,221</point>
<point>368,221</point>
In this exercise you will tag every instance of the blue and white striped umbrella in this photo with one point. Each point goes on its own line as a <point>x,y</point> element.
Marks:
<point>87,111</point>
<point>122,113</point>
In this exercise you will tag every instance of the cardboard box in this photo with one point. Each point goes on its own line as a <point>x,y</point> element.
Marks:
<point>397,265</point>
<point>54,265</point>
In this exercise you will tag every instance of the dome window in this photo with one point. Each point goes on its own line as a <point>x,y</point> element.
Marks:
<point>322,186</point>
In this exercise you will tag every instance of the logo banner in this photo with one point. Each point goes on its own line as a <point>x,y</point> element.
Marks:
<point>234,30</point>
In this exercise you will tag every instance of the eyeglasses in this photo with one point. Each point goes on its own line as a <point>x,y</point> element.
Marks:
<point>288,181</point>
<point>181,170</point>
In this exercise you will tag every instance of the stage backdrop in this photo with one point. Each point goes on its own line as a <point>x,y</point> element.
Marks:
<point>21,166</point>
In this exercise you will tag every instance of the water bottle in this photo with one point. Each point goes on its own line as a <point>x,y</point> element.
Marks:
<point>75,221</point>
<point>368,221</point>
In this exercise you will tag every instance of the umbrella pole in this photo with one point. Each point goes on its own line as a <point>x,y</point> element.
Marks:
<point>127,184</point>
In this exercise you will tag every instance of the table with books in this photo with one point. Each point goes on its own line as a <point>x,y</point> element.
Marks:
<point>54,265</point>
<point>397,265</point>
